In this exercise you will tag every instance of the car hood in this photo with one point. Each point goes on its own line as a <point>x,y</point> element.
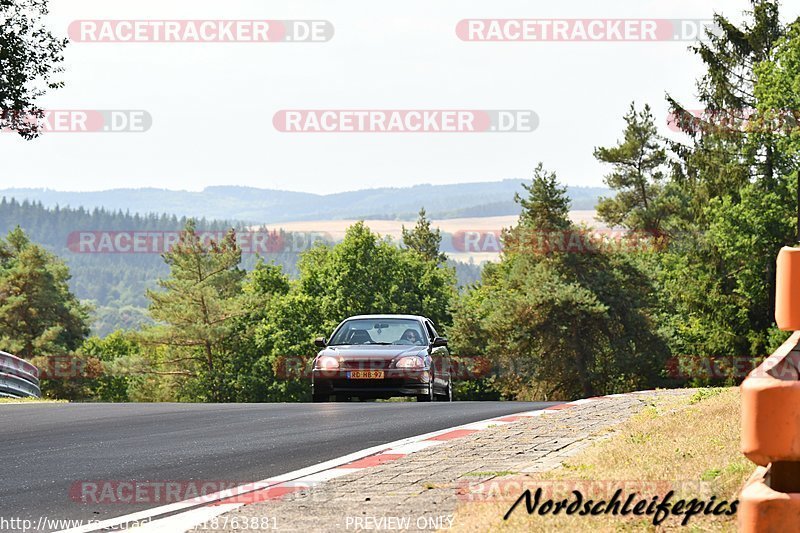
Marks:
<point>373,351</point>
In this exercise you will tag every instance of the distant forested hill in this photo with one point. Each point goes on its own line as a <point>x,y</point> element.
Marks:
<point>256,205</point>
<point>115,283</point>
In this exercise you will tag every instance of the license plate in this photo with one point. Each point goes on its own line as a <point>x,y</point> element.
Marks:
<point>365,374</point>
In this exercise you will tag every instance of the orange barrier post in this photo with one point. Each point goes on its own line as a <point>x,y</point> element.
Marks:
<point>770,500</point>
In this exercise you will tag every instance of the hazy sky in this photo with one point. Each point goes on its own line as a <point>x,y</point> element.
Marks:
<point>212,104</point>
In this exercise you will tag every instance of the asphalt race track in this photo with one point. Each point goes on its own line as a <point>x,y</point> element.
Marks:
<point>47,448</point>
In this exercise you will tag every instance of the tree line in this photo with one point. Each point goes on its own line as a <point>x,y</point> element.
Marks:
<point>115,284</point>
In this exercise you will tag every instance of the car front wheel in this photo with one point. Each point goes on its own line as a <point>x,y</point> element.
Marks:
<point>428,396</point>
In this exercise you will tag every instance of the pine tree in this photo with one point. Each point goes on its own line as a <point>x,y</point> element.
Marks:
<point>544,220</point>
<point>424,240</point>
<point>565,323</point>
<point>724,156</point>
<point>638,169</point>
<point>196,308</point>
<point>547,204</point>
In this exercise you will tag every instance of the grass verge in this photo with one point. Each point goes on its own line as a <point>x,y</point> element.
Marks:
<point>686,444</point>
<point>29,400</point>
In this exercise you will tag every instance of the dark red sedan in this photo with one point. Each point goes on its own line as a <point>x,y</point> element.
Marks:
<point>381,356</point>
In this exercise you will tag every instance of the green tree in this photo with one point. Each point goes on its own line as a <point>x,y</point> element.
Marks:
<point>29,57</point>
<point>719,292</point>
<point>778,95</point>
<point>717,287</point>
<point>121,360</point>
<point>558,324</point>
<point>424,240</point>
<point>717,279</point>
<point>196,310</point>
<point>544,219</point>
<point>638,162</point>
<point>38,313</point>
<point>723,156</point>
<point>547,205</point>
<point>367,274</point>
<point>254,372</point>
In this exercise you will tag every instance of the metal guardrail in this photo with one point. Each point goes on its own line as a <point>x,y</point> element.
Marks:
<point>18,378</point>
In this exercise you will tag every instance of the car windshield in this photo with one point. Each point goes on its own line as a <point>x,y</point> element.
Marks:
<point>400,331</point>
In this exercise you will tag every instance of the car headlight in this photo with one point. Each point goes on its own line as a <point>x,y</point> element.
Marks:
<point>326,362</point>
<point>410,362</point>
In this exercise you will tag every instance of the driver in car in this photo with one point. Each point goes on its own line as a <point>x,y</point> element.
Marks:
<point>410,337</point>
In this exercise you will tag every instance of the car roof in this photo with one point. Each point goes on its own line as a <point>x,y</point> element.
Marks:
<point>411,317</point>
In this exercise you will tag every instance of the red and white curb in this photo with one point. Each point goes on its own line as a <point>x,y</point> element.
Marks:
<point>185,515</point>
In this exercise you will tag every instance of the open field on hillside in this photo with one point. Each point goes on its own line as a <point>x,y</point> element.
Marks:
<point>335,229</point>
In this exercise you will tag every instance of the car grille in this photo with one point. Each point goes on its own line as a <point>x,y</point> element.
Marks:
<point>366,364</point>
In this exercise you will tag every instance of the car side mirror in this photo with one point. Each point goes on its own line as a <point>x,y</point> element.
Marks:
<point>439,341</point>
<point>320,342</point>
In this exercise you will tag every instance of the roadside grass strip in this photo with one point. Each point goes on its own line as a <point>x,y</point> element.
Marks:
<point>689,445</point>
